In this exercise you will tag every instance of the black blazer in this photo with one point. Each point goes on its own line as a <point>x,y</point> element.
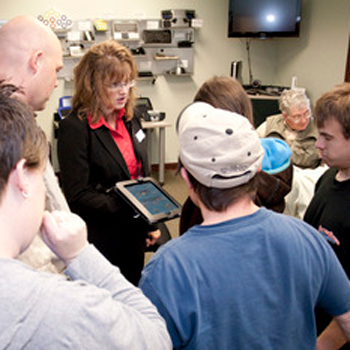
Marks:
<point>90,165</point>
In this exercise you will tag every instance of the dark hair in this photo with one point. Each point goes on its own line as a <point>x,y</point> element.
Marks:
<point>218,199</point>
<point>335,104</point>
<point>20,136</point>
<point>104,63</point>
<point>226,93</point>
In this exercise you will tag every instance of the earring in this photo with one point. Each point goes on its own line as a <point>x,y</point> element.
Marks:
<point>25,194</point>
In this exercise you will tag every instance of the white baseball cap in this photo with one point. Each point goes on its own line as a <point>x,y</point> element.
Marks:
<point>220,149</point>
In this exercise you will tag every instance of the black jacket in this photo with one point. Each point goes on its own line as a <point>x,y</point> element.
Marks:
<point>90,165</point>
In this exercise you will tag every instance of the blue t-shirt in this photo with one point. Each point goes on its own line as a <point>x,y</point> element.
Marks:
<point>248,283</point>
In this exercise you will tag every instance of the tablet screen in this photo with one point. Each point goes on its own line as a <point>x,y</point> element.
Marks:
<point>149,199</point>
<point>152,198</point>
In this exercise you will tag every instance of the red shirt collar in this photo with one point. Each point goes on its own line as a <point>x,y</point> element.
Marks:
<point>102,120</point>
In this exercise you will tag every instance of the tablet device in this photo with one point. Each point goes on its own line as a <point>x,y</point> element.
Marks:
<point>149,199</point>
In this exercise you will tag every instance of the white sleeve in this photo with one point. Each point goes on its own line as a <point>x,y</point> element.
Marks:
<point>261,130</point>
<point>55,199</point>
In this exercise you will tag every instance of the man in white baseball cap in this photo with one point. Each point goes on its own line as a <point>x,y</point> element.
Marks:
<point>247,277</point>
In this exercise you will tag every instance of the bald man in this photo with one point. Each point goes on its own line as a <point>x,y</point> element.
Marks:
<point>30,57</point>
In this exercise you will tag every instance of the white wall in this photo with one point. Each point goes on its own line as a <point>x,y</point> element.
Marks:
<point>317,58</point>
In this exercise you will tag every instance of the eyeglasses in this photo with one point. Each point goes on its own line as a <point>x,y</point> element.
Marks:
<point>297,117</point>
<point>120,86</point>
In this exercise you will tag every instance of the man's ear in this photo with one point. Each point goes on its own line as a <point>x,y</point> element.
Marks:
<point>285,115</point>
<point>193,195</point>
<point>184,175</point>
<point>35,61</point>
<point>19,178</point>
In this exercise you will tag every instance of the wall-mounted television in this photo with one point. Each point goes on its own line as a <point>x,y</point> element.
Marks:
<point>264,18</point>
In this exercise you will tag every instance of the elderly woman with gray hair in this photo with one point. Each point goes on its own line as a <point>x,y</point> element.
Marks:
<point>296,127</point>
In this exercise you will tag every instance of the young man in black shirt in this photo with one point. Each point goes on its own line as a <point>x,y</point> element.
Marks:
<point>329,209</point>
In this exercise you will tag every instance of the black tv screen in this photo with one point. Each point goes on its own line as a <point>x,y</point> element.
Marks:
<point>264,18</point>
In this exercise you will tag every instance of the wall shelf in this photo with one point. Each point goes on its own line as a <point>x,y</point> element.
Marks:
<point>157,50</point>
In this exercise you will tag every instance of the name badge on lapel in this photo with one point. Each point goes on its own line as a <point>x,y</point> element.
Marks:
<point>140,135</point>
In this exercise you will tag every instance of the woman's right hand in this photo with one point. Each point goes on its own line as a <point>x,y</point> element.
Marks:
<point>65,234</point>
<point>153,236</point>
